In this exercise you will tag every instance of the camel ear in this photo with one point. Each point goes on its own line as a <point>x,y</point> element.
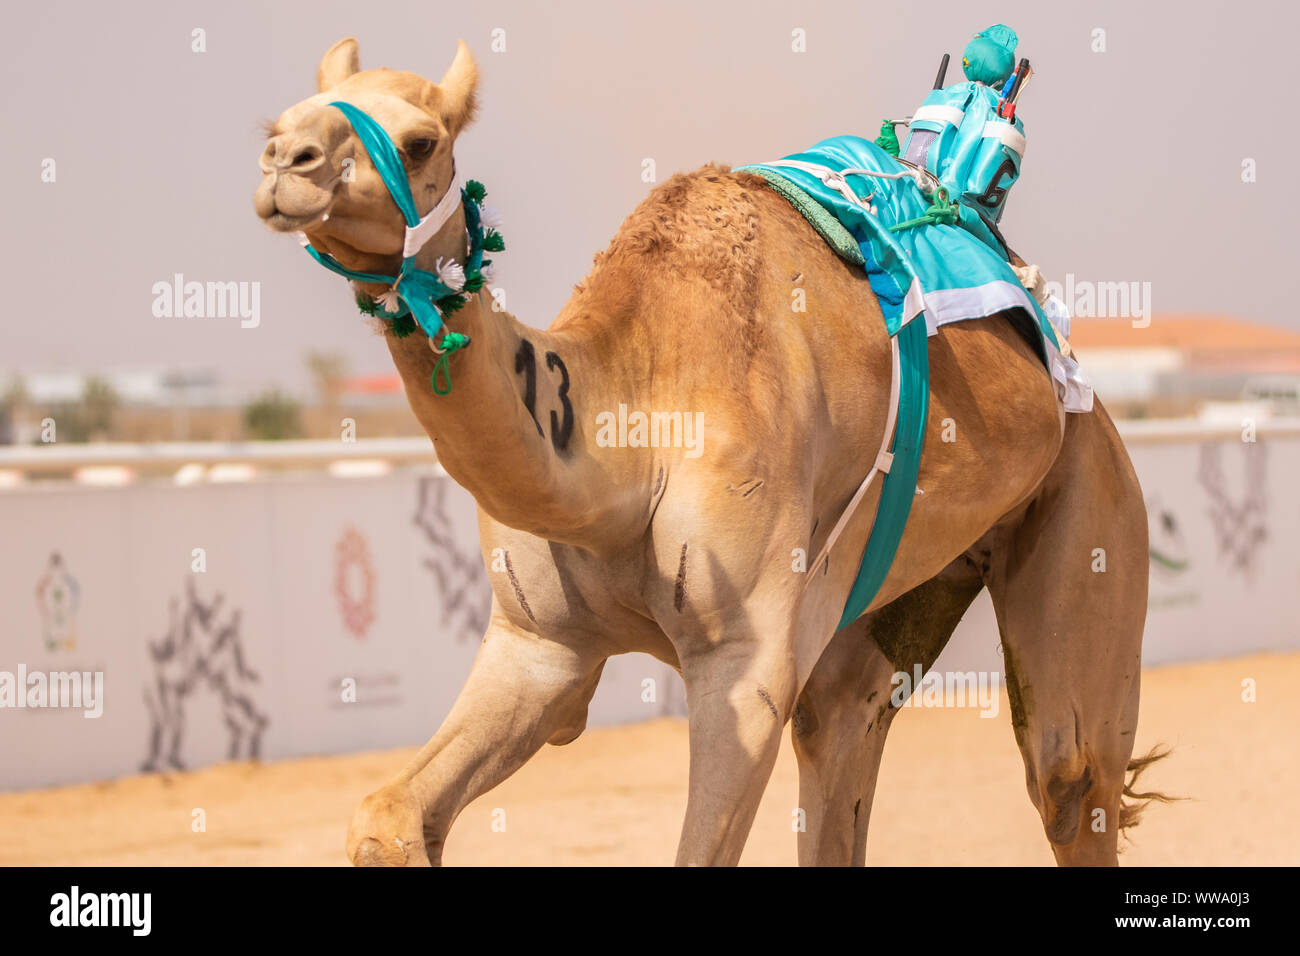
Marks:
<point>339,62</point>
<point>459,90</point>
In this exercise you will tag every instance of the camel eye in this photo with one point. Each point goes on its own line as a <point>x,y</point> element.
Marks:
<point>420,149</point>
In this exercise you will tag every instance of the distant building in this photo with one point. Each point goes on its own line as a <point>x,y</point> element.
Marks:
<point>133,386</point>
<point>1178,362</point>
<point>369,391</point>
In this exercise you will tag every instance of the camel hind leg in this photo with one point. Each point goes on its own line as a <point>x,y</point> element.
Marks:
<point>844,713</point>
<point>1068,578</point>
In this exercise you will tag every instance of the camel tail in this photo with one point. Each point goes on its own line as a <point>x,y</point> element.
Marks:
<point>1131,809</point>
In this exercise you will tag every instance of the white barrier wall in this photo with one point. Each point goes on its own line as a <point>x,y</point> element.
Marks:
<point>1224,521</point>
<point>233,619</point>
<point>308,583</point>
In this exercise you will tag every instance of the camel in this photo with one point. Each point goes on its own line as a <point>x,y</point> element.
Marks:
<point>613,547</point>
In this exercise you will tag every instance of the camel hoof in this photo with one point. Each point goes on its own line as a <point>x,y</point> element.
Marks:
<point>370,852</point>
<point>386,831</point>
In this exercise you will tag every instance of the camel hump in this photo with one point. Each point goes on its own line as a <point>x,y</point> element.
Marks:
<point>705,219</point>
<point>704,226</point>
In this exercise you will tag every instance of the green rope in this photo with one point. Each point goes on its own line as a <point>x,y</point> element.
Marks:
<point>451,342</point>
<point>942,212</point>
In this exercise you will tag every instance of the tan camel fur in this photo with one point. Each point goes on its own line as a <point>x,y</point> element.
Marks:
<point>694,556</point>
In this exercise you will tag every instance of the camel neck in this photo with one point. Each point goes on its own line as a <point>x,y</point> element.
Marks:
<point>509,429</point>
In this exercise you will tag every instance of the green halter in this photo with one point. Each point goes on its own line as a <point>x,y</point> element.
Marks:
<point>417,296</point>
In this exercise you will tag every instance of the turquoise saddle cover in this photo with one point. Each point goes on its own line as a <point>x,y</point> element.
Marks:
<point>947,272</point>
<point>942,272</point>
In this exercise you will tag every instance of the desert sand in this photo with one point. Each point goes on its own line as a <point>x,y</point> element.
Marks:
<point>951,792</point>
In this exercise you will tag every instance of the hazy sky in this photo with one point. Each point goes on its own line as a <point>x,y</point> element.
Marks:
<point>1133,170</point>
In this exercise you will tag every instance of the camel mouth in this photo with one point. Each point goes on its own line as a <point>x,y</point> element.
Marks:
<point>289,204</point>
<point>284,222</point>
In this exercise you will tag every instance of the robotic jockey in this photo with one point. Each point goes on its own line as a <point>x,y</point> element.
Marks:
<point>968,134</point>
<point>969,137</point>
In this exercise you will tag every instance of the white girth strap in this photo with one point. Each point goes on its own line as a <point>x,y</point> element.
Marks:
<point>426,228</point>
<point>884,460</point>
<point>834,179</point>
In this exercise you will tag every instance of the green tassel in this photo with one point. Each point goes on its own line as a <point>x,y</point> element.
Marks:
<point>493,242</point>
<point>475,190</point>
<point>452,303</point>
<point>451,342</point>
<point>401,326</point>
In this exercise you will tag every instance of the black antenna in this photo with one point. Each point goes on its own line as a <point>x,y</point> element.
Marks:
<point>943,71</point>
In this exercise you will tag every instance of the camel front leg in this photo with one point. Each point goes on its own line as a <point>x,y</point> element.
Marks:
<point>523,691</point>
<point>740,689</point>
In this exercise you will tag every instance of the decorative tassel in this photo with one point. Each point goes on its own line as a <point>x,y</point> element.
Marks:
<point>491,219</point>
<point>451,342</point>
<point>426,298</point>
<point>451,304</point>
<point>450,274</point>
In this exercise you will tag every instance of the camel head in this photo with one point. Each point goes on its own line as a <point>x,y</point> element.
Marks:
<point>319,179</point>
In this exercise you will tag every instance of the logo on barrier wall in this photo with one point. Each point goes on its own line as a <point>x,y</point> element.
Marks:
<point>58,596</point>
<point>354,582</point>
<point>1169,556</point>
<point>1240,519</point>
<point>458,573</point>
<point>201,651</point>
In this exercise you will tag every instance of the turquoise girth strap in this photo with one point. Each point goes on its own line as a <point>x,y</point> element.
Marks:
<point>899,487</point>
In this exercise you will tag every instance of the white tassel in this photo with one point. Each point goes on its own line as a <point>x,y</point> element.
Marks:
<point>450,274</point>
<point>491,218</point>
<point>390,301</point>
<point>488,271</point>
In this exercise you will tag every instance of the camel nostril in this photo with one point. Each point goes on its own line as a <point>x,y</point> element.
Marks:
<point>306,156</point>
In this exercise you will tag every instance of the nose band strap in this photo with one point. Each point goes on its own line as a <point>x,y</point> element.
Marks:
<point>384,156</point>
<point>427,228</point>
<point>388,163</point>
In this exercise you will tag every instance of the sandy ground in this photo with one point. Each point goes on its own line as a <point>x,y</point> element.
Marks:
<point>951,792</point>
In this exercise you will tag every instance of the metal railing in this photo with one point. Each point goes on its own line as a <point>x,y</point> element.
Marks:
<point>196,460</point>
<point>159,458</point>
